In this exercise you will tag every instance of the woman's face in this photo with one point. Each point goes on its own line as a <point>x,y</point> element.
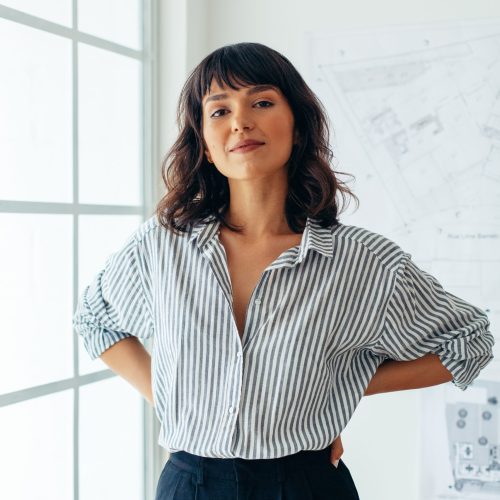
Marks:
<point>258,112</point>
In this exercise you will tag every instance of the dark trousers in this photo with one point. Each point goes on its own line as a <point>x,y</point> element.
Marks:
<point>306,475</point>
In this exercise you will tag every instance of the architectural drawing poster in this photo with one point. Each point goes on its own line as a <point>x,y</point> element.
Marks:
<point>415,116</point>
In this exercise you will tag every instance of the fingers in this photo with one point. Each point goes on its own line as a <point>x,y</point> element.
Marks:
<point>336,451</point>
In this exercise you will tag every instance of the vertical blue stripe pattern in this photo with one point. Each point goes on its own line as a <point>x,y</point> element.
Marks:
<point>321,319</point>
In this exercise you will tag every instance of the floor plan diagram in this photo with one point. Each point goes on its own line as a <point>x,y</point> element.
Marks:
<point>415,116</point>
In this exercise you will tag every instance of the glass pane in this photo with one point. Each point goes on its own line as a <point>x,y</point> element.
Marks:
<point>110,127</point>
<point>36,457</point>
<point>99,237</point>
<point>110,442</point>
<point>35,119</point>
<point>57,11</point>
<point>116,20</point>
<point>36,269</point>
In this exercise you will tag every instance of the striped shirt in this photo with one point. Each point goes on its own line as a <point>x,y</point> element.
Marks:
<point>321,319</point>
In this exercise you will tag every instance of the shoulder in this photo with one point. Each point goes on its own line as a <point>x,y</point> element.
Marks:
<point>148,227</point>
<point>387,251</point>
<point>143,235</point>
<point>152,232</point>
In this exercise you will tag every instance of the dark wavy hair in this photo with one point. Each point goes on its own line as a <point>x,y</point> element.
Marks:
<point>197,190</point>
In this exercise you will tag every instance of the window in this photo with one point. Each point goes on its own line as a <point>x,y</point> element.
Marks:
<point>76,139</point>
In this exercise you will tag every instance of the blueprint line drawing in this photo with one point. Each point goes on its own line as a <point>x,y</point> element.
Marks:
<point>415,116</point>
<point>473,438</point>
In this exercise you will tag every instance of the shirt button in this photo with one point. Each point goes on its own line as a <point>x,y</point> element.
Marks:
<point>231,409</point>
<point>239,354</point>
<point>257,301</point>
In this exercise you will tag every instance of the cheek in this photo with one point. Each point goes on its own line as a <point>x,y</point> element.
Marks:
<point>283,142</point>
<point>212,137</point>
<point>282,129</point>
<point>208,139</point>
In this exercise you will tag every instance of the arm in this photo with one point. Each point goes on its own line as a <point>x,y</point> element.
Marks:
<point>114,312</point>
<point>129,359</point>
<point>403,375</point>
<point>423,318</point>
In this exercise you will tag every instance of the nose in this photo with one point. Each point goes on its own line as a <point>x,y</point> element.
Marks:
<point>241,121</point>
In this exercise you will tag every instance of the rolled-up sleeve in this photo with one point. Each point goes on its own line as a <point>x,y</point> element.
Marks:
<point>115,305</point>
<point>422,318</point>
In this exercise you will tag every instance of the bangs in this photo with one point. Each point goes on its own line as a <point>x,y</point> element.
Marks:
<point>236,69</point>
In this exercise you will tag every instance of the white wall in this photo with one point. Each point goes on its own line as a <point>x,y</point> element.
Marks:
<point>182,42</point>
<point>281,23</point>
<point>382,441</point>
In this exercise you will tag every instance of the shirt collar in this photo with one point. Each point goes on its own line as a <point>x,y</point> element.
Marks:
<point>315,237</point>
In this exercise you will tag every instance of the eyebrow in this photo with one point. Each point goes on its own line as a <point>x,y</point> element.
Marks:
<point>252,90</point>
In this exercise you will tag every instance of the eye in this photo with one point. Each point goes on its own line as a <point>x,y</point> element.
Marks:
<point>267,102</point>
<point>213,115</point>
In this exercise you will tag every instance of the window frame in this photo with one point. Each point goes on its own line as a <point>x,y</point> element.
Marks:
<point>154,456</point>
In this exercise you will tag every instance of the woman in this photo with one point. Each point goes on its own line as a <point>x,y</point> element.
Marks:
<point>271,319</point>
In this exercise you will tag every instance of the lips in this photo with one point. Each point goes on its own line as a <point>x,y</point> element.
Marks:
<point>243,144</point>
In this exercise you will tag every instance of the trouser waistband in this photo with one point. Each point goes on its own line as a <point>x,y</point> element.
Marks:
<point>240,469</point>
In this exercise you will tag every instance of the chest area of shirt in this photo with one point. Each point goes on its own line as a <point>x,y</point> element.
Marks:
<point>246,264</point>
